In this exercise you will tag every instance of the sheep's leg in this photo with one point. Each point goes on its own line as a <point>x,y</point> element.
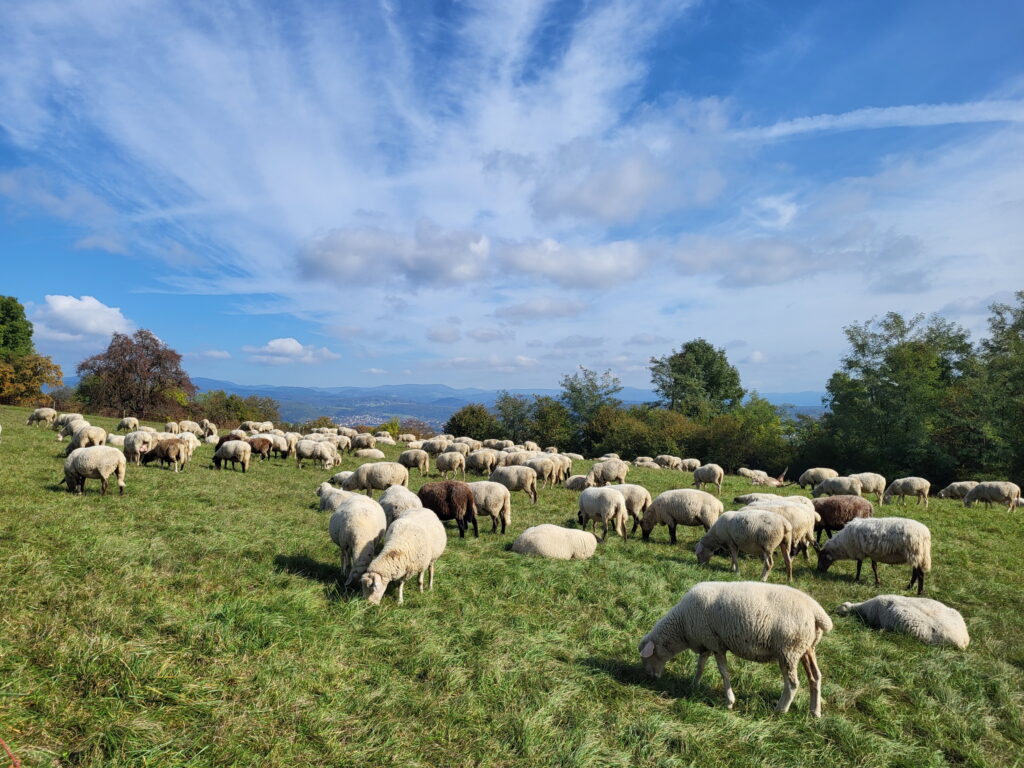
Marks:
<point>431,584</point>
<point>766,559</point>
<point>723,670</point>
<point>103,486</point>
<point>604,528</point>
<point>672,534</point>
<point>702,659</point>
<point>401,591</point>
<point>859,564</point>
<point>788,559</point>
<point>813,681</point>
<point>494,525</point>
<point>636,522</point>
<point>874,570</point>
<point>421,581</point>
<point>790,684</point>
<point>735,560</point>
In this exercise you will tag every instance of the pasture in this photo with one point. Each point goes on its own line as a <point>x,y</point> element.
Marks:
<point>199,621</point>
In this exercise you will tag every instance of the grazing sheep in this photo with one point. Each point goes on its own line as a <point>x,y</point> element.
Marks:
<point>815,475</point>
<point>457,448</point>
<point>993,491</point>
<point>751,530</point>
<point>957,490</point>
<point>608,471</point>
<point>434,446</point>
<point>412,545</point>
<point>689,465</point>
<point>563,466</point>
<point>517,479</point>
<point>95,462</point>
<point>577,483</point>
<point>802,518</point>
<point>127,424</point>
<point>376,476</point>
<point>407,437</point>
<point>711,474</point>
<point>669,462</point>
<point>260,446</point>
<point>606,505</point>
<point>451,500</point>
<point>278,443</point>
<point>172,427</point>
<point>190,426</point>
<point>482,462</point>
<point>871,482</point>
<point>683,506</point>
<point>235,451</point>
<point>893,540</point>
<point>545,469</point>
<point>750,498</point>
<point>67,418</point>
<point>415,459</point>
<point>837,486</point>
<point>323,454</point>
<point>930,621</point>
<point>907,486</point>
<point>758,622</point>
<point>138,443</point>
<point>69,428</point>
<point>331,497</point>
<point>356,526</point>
<point>396,500</point>
<point>86,436</point>
<point>363,440</point>
<point>116,441</point>
<point>450,462</point>
<point>168,452</point>
<point>45,416</point>
<point>836,511</point>
<point>493,500</point>
<point>647,464</point>
<point>555,542</point>
<point>638,499</point>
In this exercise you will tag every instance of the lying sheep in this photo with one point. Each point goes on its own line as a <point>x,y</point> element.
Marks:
<point>871,482</point>
<point>127,424</point>
<point>517,479</point>
<point>908,486</point>
<point>930,621</point>
<point>555,542</point>
<point>993,491</point>
<point>573,456</point>
<point>837,486</point>
<point>709,474</point>
<point>397,500</point>
<point>957,490</point>
<point>758,622</point>
<point>647,464</point>
<point>45,416</point>
<point>751,530</point>
<point>376,476</point>
<point>836,511</point>
<point>338,479</point>
<point>356,526</point>
<point>170,452</point>
<point>683,506</point>
<point>750,498</point>
<point>606,505</point>
<point>493,500</point>
<point>815,475</point>
<point>669,462</point>
<point>892,540</point>
<point>95,462</point>
<point>754,475</point>
<point>577,483</point>
<point>369,453</point>
<point>450,462</point>
<point>415,459</point>
<point>412,545</point>
<point>407,437</point>
<point>608,471</point>
<point>451,500</point>
<point>235,451</point>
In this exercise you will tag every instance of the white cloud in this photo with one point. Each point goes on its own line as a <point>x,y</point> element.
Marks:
<point>374,371</point>
<point>486,335</point>
<point>70,319</point>
<point>444,334</point>
<point>98,242</point>
<point>288,351</point>
<point>538,310</point>
<point>210,354</point>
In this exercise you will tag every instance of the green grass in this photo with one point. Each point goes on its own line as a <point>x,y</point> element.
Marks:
<point>198,621</point>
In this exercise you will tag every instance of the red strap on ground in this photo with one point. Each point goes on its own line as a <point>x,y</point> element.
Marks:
<point>15,762</point>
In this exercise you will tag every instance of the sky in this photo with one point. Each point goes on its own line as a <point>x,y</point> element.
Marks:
<point>491,194</point>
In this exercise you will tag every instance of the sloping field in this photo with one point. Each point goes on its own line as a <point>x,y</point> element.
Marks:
<point>198,621</point>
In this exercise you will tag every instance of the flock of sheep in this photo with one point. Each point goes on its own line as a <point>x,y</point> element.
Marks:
<point>402,535</point>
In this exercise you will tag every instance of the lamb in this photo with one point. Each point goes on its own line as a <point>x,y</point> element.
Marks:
<point>370,453</point>
<point>891,540</point>
<point>836,511</point>
<point>758,622</point>
<point>751,530</point>
<point>450,462</point>
<point>577,483</point>
<point>545,469</point>
<point>708,474</point>
<point>493,500</point>
<point>364,440</point>
<point>482,462</point>
<point>606,505</point>
<point>517,479</point>
<point>86,436</point>
<point>136,444</point>
<point>750,498</point>
<point>930,621</point>
<point>397,500</point>
<point>95,462</point>
<point>356,526</point>
<point>684,506</point>
<point>908,486</point>
<point>235,451</point>
<point>127,424</point>
<point>957,490</point>
<point>638,499</point>
<point>689,465</point>
<point>45,416</point>
<point>608,471</point>
<point>815,475</point>
<point>555,542</point>
<point>451,500</point>
<point>331,497</point>
<point>993,491</point>
<point>669,462</point>
<point>871,482</point>
<point>837,486</point>
<point>379,476</point>
<point>412,544</point>
<point>415,459</point>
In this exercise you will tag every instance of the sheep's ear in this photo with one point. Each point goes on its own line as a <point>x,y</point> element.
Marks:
<point>648,650</point>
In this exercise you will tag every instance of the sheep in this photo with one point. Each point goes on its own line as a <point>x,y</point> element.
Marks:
<point>116,441</point>
<point>638,499</point>
<point>610,457</point>
<point>138,443</point>
<point>377,476</point>
<point>555,542</point>
<point>493,500</point>
<point>545,469</point>
<point>412,544</point>
<point>930,621</point>
<point>323,454</point>
<point>461,448</point>
<point>86,436</point>
<point>235,451</point>
<point>957,490</point>
<point>815,475</point>
<point>708,474</point>
<point>751,530</point>
<point>758,622</point>
<point>347,432</point>
<point>836,511</point>
<point>750,498</point>
<point>145,428</point>
<point>837,486</point>
<point>407,437</point>
<point>94,462</point>
<point>363,440</point>
<point>482,462</point>
<point>754,475</point>
<point>190,426</point>
<point>450,462</point>
<point>803,519</point>
<point>871,482</point>
<point>42,416</point>
<point>563,466</point>
<point>330,497</point>
<point>517,479</point>
<point>892,540</point>
<point>684,506</point>
<point>606,505</point>
<point>993,491</point>
<point>369,453</point>
<point>669,462</point>
<point>208,427</point>
<point>396,500</point>
<point>451,500</point>
<point>415,459</point>
<point>474,445</point>
<point>551,449</point>
<point>573,456</point>
<point>434,446</point>
<point>647,464</point>
<point>356,526</point>
<point>127,424</point>
<point>172,427</point>
<point>577,483</point>
<point>69,428</point>
<point>688,465</point>
<point>530,445</point>
<point>260,446</point>
<point>907,486</point>
<point>608,471</point>
<point>279,443</point>
<point>66,418</point>
<point>338,478</point>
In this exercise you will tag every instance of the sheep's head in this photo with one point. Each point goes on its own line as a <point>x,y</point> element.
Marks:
<point>968,502</point>
<point>825,559</point>
<point>703,552</point>
<point>845,609</point>
<point>373,586</point>
<point>653,657</point>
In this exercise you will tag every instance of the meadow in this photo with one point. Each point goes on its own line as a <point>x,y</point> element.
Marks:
<point>199,621</point>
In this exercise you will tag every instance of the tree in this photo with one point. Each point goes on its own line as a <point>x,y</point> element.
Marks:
<point>15,330</point>
<point>23,373</point>
<point>473,420</point>
<point>550,422</point>
<point>697,380</point>
<point>1002,355</point>
<point>584,394</point>
<point>137,375</point>
<point>513,413</point>
<point>230,410</point>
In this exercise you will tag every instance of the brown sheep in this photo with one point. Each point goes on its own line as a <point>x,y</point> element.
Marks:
<point>451,500</point>
<point>260,447</point>
<point>172,451</point>
<point>837,511</point>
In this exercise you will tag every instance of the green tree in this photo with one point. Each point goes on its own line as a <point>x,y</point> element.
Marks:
<point>584,394</point>
<point>23,373</point>
<point>1002,355</point>
<point>697,380</point>
<point>227,410</point>
<point>473,420</point>
<point>550,422</point>
<point>513,414</point>
<point>15,330</point>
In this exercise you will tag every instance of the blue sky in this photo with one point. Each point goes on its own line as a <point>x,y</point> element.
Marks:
<point>489,194</point>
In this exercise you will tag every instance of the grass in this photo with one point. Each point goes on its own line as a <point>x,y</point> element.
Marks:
<point>198,621</point>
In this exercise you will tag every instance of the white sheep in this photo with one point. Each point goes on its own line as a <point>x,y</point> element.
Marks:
<point>555,542</point>
<point>45,416</point>
<point>517,479</point>
<point>758,622</point>
<point>95,462</point>
<point>190,426</point>
<point>682,506</point>
<point>331,497</point>
<point>815,475</point>
<point>397,500</point>
<point>802,518</point>
<point>708,474</point>
<point>957,490</point>
<point>751,530</point>
<point>369,453</point>
<point>457,448</point>
<point>638,499</point>
<point>127,424</point>
<point>668,461</point>
<point>339,477</point>
<point>363,440</point>
<point>688,465</point>
<point>493,500</point>
<point>450,462</point>
<point>930,621</point>
<point>871,482</point>
<point>577,483</point>
<point>483,461</point>
<point>412,545</point>
<point>907,486</point>
<point>893,540</point>
<point>407,437</point>
<point>138,443</point>
<point>86,436</point>
<point>378,476</point>
<point>750,498</point>
<point>993,491</point>
<point>322,453</point>
<point>235,451</point>
<point>356,526</point>
<point>837,486</point>
<point>545,469</point>
<point>415,459</point>
<point>67,418</point>
<point>172,427</point>
<point>606,505</point>
<point>69,428</point>
<point>115,441</point>
<point>608,471</point>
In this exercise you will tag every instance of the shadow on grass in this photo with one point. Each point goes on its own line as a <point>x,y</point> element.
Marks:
<point>633,673</point>
<point>327,574</point>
